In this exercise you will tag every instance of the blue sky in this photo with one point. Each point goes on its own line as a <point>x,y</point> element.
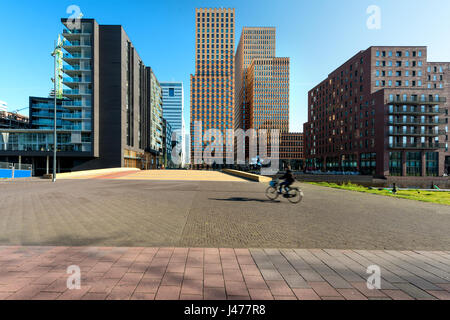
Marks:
<point>318,36</point>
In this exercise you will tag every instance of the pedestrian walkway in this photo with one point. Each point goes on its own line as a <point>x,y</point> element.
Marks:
<point>165,175</point>
<point>218,274</point>
<point>181,175</point>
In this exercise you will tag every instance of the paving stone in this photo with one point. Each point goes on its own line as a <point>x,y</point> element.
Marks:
<point>305,294</point>
<point>260,294</point>
<point>414,291</point>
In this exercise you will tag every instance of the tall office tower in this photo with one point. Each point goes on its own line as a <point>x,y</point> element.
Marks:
<point>212,85</point>
<point>384,112</point>
<point>173,110</point>
<point>267,94</point>
<point>255,43</point>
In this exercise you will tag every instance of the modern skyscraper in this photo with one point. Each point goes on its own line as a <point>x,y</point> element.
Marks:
<point>255,42</point>
<point>384,112</point>
<point>173,110</point>
<point>212,85</point>
<point>267,94</point>
<point>262,83</point>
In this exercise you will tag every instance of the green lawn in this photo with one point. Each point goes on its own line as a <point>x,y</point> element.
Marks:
<point>440,197</point>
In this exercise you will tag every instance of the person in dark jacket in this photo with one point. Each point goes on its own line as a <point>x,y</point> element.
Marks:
<point>288,178</point>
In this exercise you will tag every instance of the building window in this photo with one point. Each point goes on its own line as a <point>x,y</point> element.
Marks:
<point>413,163</point>
<point>395,163</point>
<point>171,92</point>
<point>432,161</point>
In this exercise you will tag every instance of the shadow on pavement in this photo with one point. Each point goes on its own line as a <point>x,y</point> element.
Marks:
<point>244,199</point>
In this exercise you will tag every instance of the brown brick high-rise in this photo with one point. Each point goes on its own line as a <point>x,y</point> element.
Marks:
<point>383,112</point>
<point>212,85</point>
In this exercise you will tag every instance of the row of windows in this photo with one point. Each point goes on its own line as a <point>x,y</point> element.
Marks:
<point>435,69</point>
<point>211,32</point>
<point>389,63</point>
<point>248,33</point>
<point>398,83</point>
<point>222,25</point>
<point>215,14</point>
<point>398,53</point>
<point>398,73</point>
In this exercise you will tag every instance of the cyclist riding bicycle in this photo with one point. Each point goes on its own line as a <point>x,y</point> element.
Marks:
<point>288,178</point>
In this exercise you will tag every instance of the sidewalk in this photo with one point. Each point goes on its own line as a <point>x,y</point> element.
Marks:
<point>197,273</point>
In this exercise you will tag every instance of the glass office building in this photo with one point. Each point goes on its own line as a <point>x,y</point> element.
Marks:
<point>173,108</point>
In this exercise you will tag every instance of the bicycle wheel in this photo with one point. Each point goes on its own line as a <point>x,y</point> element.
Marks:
<point>295,195</point>
<point>272,193</point>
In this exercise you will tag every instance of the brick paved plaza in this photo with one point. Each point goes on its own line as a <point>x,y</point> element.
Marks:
<point>140,236</point>
<point>121,211</point>
<point>197,273</point>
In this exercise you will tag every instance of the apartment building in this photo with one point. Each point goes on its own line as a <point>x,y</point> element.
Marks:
<point>384,112</point>
<point>109,112</point>
<point>212,85</point>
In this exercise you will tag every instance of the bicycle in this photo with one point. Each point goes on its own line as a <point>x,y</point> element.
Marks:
<point>293,194</point>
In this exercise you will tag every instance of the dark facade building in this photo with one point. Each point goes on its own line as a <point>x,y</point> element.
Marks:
<point>291,151</point>
<point>384,112</point>
<point>106,112</point>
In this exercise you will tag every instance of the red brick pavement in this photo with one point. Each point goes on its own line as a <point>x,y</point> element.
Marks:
<point>218,274</point>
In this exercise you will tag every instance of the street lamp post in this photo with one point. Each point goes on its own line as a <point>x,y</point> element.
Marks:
<point>56,74</point>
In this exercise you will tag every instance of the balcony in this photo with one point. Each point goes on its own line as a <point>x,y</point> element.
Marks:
<point>417,122</point>
<point>75,55</point>
<point>76,43</point>
<point>430,133</point>
<point>69,34</point>
<point>75,127</point>
<point>429,112</point>
<point>72,104</point>
<point>418,146</point>
<point>70,116</point>
<point>76,67</point>
<point>76,92</point>
<point>74,82</point>
<point>433,100</point>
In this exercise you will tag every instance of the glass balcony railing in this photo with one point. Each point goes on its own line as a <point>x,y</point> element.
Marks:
<point>77,80</point>
<point>431,133</point>
<point>71,115</point>
<point>76,56</point>
<point>72,103</point>
<point>73,31</point>
<point>76,91</point>
<point>75,67</point>
<point>72,127</point>
<point>416,122</point>
<point>418,145</point>
<point>77,43</point>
